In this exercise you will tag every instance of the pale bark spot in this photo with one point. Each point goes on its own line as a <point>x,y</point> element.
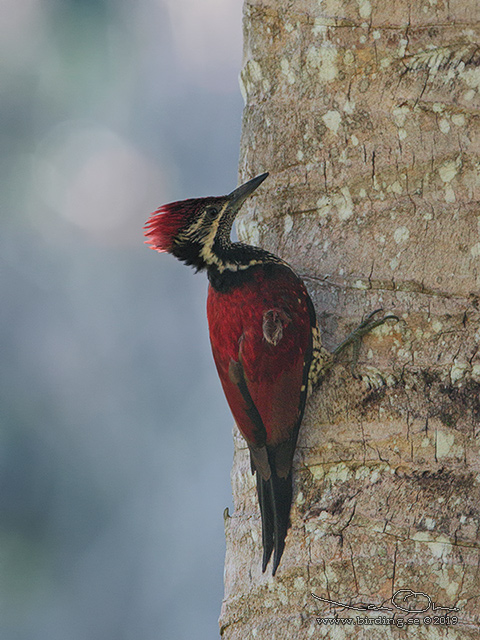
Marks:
<point>444,442</point>
<point>472,78</point>
<point>332,120</point>
<point>458,119</point>
<point>400,115</point>
<point>401,234</point>
<point>344,204</point>
<point>288,224</point>
<point>444,125</point>
<point>449,194</point>
<point>458,371</point>
<point>325,60</point>
<point>364,8</point>
<point>448,171</point>
<point>287,72</point>
<point>349,57</point>
<point>475,250</point>
<point>396,187</point>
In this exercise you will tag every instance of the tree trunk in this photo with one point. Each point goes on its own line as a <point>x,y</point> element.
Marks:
<point>365,113</point>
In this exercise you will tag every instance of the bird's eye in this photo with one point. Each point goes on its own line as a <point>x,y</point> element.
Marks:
<point>211,213</point>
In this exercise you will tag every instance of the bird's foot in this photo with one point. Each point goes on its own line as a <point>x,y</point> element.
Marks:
<point>373,378</point>
<point>355,338</point>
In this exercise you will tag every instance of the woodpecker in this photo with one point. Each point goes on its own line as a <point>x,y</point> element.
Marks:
<point>264,336</point>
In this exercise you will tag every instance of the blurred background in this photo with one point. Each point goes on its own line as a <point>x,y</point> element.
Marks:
<point>115,438</point>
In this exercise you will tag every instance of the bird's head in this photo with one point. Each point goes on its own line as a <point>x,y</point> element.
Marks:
<point>192,230</point>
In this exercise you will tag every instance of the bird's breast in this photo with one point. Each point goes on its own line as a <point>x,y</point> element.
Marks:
<point>267,316</point>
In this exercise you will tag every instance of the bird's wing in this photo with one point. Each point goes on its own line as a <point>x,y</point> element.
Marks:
<point>262,348</point>
<point>261,338</point>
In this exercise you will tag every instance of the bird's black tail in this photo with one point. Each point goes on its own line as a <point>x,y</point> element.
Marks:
<point>275,498</point>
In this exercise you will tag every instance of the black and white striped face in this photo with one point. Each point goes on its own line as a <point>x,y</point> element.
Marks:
<point>209,223</point>
<point>197,231</point>
<point>182,221</point>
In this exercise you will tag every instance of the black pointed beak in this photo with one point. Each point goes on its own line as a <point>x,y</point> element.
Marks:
<point>240,194</point>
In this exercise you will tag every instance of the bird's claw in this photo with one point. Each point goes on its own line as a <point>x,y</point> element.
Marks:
<point>373,378</point>
<point>363,328</point>
<point>370,323</point>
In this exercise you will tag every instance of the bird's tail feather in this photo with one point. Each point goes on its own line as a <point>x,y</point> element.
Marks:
<point>275,499</point>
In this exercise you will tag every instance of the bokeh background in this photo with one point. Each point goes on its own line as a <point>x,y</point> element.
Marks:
<point>115,438</point>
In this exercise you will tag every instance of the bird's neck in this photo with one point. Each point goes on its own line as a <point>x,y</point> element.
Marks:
<point>236,256</point>
<point>225,261</point>
<point>231,263</point>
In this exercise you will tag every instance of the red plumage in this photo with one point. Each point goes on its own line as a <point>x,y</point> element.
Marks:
<point>167,222</point>
<point>260,320</point>
<point>273,372</point>
<point>164,225</point>
<point>262,343</point>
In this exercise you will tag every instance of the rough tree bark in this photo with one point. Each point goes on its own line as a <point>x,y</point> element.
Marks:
<point>365,113</point>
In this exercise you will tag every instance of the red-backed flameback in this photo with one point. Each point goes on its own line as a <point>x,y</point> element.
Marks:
<point>264,336</point>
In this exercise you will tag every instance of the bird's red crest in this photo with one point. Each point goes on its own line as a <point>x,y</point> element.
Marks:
<point>165,223</point>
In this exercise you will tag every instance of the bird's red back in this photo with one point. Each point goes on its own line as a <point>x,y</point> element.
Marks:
<point>274,373</point>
